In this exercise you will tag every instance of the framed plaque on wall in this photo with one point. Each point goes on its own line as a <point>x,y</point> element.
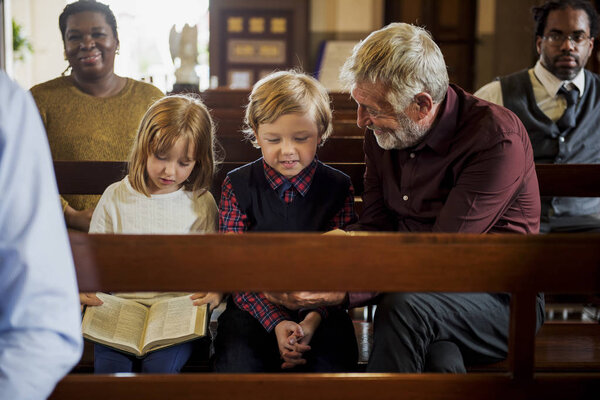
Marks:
<point>249,39</point>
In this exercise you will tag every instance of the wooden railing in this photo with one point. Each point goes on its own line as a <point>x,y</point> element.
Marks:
<point>521,265</point>
<point>92,177</point>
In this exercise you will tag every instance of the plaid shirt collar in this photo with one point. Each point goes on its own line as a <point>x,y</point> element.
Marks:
<point>301,181</point>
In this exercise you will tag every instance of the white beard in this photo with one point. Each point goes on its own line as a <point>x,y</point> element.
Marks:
<point>407,136</point>
<point>387,140</point>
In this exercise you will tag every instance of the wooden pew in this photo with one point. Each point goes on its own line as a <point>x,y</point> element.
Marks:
<point>521,265</point>
<point>92,177</point>
<point>577,180</point>
<point>558,347</point>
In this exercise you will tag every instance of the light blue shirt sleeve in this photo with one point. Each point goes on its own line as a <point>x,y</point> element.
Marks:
<point>40,331</point>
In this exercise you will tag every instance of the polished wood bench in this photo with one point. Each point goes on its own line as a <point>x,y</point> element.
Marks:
<point>92,177</point>
<point>518,264</point>
<point>568,347</point>
<point>573,180</point>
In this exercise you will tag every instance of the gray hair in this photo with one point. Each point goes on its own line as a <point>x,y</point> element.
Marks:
<point>402,57</point>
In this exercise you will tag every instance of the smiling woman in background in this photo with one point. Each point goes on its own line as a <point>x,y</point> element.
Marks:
<point>92,113</point>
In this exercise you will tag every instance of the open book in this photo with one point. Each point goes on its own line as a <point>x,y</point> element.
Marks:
<point>133,328</point>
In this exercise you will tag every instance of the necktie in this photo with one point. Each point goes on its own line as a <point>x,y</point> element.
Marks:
<point>283,188</point>
<point>567,120</point>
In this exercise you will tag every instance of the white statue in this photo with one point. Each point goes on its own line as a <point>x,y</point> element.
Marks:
<point>184,45</point>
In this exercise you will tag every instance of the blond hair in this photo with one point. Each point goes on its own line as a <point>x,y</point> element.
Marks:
<point>287,92</point>
<point>167,120</point>
<point>402,57</point>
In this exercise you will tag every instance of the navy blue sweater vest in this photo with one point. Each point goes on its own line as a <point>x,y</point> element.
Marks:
<point>266,211</point>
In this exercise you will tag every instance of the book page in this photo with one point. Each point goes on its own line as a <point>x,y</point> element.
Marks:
<point>172,319</point>
<point>149,298</point>
<point>117,321</point>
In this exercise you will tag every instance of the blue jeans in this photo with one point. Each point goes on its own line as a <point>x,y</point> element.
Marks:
<point>168,360</point>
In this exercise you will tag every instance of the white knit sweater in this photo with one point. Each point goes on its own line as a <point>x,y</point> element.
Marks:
<point>124,210</point>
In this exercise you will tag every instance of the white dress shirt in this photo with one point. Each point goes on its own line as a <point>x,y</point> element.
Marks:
<point>545,90</point>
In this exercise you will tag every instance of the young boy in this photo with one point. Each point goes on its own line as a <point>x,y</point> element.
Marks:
<point>287,189</point>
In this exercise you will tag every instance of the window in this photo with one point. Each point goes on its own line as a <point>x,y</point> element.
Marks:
<point>144,27</point>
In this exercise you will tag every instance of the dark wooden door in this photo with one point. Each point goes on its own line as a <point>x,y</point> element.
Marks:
<point>452,25</point>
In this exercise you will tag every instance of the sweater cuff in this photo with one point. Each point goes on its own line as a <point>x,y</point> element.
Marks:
<point>63,203</point>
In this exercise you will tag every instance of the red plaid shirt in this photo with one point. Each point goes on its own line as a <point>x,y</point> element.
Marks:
<point>232,219</point>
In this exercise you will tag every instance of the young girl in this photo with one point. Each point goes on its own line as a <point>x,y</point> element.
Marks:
<point>166,191</point>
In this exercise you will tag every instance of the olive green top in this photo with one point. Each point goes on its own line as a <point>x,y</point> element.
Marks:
<point>85,127</point>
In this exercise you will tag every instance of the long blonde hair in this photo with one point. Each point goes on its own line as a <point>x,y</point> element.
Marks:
<point>167,120</point>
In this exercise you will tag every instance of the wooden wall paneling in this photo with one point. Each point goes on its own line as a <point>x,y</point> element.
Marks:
<point>251,39</point>
<point>514,41</point>
<point>452,25</point>
<point>454,54</point>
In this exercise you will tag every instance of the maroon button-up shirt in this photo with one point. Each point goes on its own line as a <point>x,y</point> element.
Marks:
<point>473,172</point>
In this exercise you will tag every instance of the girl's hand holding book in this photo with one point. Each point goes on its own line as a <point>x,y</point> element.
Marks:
<point>90,299</point>
<point>213,299</point>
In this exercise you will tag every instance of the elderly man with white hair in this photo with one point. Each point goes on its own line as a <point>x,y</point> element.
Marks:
<point>438,160</point>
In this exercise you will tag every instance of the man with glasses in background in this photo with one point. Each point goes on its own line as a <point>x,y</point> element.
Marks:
<point>558,101</point>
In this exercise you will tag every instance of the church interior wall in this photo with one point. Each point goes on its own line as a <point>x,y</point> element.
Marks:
<point>503,36</point>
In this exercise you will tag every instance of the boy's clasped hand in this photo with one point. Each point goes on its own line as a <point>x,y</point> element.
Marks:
<point>293,339</point>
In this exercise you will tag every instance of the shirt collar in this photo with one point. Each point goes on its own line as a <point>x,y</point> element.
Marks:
<point>551,83</point>
<point>301,181</point>
<point>438,138</point>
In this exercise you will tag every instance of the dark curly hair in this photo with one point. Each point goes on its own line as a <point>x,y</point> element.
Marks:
<point>540,14</point>
<point>87,5</point>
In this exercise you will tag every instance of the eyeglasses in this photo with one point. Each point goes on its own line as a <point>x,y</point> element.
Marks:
<point>557,39</point>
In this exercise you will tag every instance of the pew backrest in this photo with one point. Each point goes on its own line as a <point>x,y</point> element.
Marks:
<point>522,265</point>
<point>92,177</point>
